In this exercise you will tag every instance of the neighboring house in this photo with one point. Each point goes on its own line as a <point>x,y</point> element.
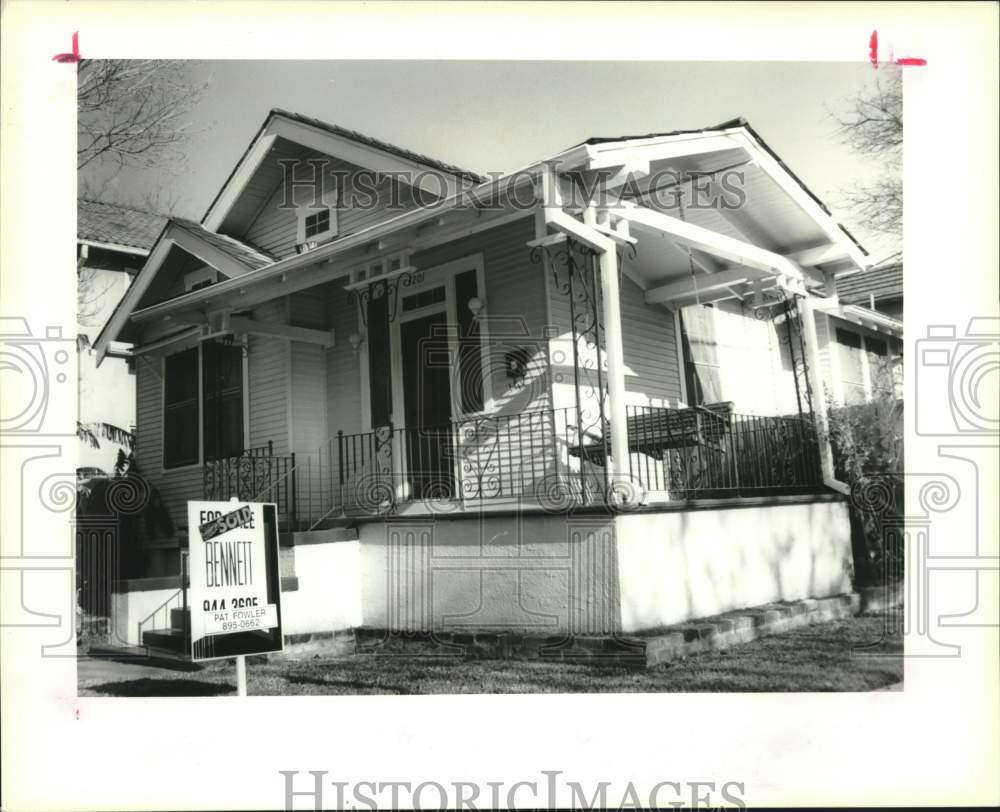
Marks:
<point>112,245</point>
<point>879,288</point>
<point>866,330</point>
<point>546,408</point>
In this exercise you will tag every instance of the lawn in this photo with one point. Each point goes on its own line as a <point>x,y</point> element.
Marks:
<point>821,657</point>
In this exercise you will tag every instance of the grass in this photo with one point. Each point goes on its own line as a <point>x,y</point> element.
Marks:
<point>821,657</point>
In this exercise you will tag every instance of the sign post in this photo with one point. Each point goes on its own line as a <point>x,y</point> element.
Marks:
<point>235,593</point>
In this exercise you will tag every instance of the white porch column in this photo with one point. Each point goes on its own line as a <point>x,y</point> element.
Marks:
<point>611,306</point>
<point>818,394</point>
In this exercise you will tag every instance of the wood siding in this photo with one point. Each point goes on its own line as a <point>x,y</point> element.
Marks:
<point>268,373</point>
<point>274,229</point>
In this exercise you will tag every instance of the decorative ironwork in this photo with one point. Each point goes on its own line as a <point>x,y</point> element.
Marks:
<point>388,288</point>
<point>575,270</point>
<point>366,473</point>
<point>256,475</point>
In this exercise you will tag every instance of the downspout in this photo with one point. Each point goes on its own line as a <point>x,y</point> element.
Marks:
<point>806,308</point>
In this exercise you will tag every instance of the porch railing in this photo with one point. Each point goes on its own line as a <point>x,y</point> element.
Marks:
<point>255,475</point>
<point>553,457</point>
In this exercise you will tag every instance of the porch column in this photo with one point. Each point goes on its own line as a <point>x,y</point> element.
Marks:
<point>819,394</point>
<point>611,305</point>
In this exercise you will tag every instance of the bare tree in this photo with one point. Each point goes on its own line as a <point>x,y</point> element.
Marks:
<point>873,128</point>
<point>131,111</point>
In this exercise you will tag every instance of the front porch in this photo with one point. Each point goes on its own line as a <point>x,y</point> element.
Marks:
<point>546,459</point>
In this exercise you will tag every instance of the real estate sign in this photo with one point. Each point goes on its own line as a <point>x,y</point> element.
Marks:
<point>235,589</point>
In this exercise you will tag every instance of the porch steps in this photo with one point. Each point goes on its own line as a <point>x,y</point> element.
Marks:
<point>640,650</point>
<point>175,641</point>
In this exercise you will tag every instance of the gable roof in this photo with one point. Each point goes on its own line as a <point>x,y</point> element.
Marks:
<point>740,123</point>
<point>115,225</point>
<point>279,122</point>
<point>883,282</point>
<point>242,252</point>
<point>385,146</point>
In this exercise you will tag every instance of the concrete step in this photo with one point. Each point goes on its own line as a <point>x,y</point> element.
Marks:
<point>640,649</point>
<point>170,641</point>
<point>180,620</point>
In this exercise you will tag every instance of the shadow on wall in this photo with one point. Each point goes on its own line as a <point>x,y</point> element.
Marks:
<point>685,565</point>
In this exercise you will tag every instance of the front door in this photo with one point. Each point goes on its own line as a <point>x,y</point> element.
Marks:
<point>426,363</point>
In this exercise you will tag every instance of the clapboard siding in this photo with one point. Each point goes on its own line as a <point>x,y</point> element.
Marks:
<point>652,368</point>
<point>275,229</point>
<point>649,347</point>
<point>268,377</point>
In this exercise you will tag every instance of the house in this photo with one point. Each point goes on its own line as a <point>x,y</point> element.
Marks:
<point>865,335</point>
<point>581,397</point>
<point>112,245</point>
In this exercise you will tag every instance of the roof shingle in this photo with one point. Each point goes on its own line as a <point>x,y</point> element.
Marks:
<point>250,255</point>
<point>883,282</point>
<point>117,225</point>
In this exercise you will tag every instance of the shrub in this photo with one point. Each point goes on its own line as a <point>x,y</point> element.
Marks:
<point>867,444</point>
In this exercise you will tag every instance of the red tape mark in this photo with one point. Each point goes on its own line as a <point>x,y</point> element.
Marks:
<point>73,57</point>
<point>904,60</point>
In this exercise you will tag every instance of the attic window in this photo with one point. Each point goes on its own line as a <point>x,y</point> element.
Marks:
<point>316,224</point>
<point>202,278</point>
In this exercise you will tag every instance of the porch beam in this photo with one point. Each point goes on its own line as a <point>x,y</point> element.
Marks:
<point>707,283</point>
<point>243,325</point>
<point>818,255</point>
<point>711,242</point>
<point>699,144</point>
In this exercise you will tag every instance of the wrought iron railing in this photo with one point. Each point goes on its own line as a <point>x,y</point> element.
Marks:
<point>709,451</point>
<point>550,456</point>
<point>255,475</point>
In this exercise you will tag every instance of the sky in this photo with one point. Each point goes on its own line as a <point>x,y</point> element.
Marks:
<point>494,116</point>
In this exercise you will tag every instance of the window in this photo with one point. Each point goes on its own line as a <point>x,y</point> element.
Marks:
<point>424,298</point>
<point>316,224</point>
<point>202,278</point>
<point>222,393</point>
<point>215,408</point>
<point>852,372</point>
<point>880,366</point>
<point>180,409</point>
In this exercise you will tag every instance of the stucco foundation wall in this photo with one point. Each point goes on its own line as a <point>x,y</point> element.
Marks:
<point>129,609</point>
<point>545,574</point>
<point>328,597</point>
<point>678,566</point>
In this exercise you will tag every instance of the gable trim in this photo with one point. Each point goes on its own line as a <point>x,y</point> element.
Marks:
<point>431,179</point>
<point>173,235</point>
